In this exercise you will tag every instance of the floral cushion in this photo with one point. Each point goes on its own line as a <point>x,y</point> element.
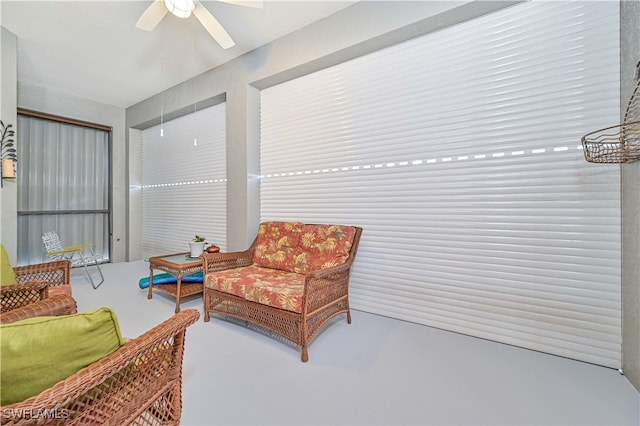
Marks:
<point>276,245</point>
<point>322,247</point>
<point>267,286</point>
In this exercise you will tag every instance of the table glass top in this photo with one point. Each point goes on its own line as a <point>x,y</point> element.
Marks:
<point>179,259</point>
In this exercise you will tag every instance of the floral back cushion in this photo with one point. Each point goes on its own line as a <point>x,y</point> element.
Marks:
<point>322,247</point>
<point>277,244</point>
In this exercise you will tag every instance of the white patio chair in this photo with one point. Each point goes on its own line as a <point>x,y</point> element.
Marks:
<point>76,254</point>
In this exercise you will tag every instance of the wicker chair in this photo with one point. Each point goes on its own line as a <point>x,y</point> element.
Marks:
<point>140,383</point>
<point>35,282</point>
<point>325,295</point>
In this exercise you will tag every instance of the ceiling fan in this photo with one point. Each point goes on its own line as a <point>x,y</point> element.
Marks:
<point>152,16</point>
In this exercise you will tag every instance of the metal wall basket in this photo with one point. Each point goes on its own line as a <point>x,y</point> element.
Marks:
<point>617,144</point>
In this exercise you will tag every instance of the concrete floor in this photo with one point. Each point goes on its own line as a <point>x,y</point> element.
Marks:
<point>376,371</point>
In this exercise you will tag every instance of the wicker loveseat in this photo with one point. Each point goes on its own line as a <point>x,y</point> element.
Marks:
<point>291,281</point>
<point>140,383</point>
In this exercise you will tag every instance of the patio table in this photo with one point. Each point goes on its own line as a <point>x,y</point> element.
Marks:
<point>179,265</point>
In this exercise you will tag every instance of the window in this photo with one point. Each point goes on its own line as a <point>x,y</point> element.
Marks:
<point>63,184</point>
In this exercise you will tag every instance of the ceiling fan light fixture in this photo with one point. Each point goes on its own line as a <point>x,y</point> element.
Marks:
<point>180,8</point>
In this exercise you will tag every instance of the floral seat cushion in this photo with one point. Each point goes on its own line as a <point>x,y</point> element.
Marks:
<point>267,286</point>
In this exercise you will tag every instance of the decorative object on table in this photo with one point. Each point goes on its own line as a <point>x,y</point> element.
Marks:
<point>213,249</point>
<point>8,152</point>
<point>620,143</point>
<point>197,246</point>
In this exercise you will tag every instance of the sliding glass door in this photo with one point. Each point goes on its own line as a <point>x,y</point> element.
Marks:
<point>63,185</point>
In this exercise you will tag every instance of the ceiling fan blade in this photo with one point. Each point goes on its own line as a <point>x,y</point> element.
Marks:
<point>152,16</point>
<point>212,25</point>
<point>258,4</point>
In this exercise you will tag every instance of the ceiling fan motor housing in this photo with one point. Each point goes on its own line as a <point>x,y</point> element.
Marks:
<point>180,8</point>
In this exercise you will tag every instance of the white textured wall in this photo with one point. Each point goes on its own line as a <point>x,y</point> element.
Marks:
<point>629,57</point>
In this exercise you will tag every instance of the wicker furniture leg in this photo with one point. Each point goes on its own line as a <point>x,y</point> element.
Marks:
<point>150,291</point>
<point>178,292</point>
<point>206,302</point>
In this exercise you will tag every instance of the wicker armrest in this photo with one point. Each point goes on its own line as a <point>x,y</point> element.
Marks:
<point>53,306</point>
<point>22,287</point>
<point>214,262</point>
<point>139,383</point>
<point>325,285</point>
<point>54,273</point>
<point>325,273</point>
<point>17,295</point>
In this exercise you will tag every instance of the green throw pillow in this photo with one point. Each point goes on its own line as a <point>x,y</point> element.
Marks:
<point>37,353</point>
<point>7,276</point>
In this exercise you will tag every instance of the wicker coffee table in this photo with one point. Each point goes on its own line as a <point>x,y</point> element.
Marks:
<point>179,265</point>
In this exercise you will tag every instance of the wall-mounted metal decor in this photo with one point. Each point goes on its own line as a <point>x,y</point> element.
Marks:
<point>617,144</point>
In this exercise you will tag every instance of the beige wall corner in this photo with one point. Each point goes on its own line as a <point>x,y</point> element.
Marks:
<point>8,115</point>
<point>629,58</point>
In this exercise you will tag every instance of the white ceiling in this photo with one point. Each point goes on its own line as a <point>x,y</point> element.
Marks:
<point>91,49</point>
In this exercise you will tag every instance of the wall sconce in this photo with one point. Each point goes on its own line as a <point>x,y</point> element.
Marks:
<point>8,152</point>
<point>8,172</point>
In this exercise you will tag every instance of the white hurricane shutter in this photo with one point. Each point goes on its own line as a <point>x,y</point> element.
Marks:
<point>184,186</point>
<point>459,154</point>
